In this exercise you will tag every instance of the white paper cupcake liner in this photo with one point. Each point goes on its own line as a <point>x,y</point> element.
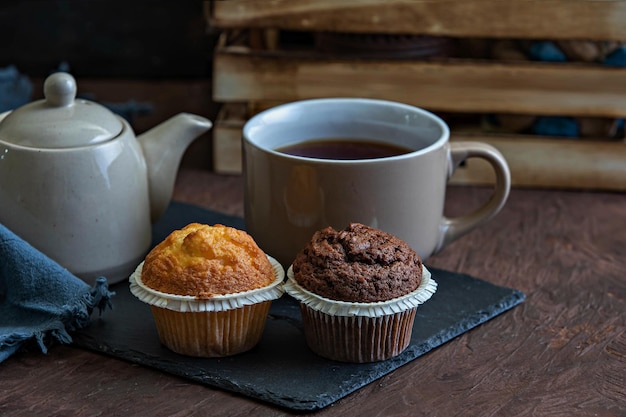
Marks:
<point>186,303</point>
<point>424,291</point>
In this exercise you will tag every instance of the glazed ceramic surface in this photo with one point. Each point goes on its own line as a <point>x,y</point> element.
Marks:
<point>288,198</point>
<point>78,185</point>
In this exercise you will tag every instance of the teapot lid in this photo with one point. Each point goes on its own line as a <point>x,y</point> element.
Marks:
<point>59,120</point>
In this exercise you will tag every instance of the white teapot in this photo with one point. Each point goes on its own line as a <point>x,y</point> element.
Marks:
<point>78,185</point>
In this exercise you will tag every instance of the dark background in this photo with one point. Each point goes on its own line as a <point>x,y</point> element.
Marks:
<point>107,38</point>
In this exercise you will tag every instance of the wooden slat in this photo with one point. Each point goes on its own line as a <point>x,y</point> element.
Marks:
<point>539,19</point>
<point>549,162</point>
<point>227,139</point>
<point>477,87</point>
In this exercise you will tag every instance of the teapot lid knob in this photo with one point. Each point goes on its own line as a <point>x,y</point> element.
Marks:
<point>60,120</point>
<point>60,89</point>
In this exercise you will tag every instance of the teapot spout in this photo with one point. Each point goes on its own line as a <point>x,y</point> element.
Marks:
<point>163,147</point>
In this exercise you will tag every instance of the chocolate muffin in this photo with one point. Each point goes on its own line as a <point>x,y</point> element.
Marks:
<point>357,264</point>
<point>358,289</point>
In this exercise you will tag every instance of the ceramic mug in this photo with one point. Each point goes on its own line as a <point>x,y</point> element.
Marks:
<point>287,198</point>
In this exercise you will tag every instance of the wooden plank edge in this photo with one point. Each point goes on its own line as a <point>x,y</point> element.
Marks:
<point>550,163</point>
<point>458,86</point>
<point>227,139</point>
<point>528,19</point>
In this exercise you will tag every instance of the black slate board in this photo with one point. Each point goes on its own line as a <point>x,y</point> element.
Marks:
<point>281,369</point>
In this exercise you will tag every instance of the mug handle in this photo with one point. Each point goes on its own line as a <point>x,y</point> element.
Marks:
<point>451,229</point>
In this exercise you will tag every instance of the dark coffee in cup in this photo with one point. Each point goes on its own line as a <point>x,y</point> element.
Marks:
<point>344,149</point>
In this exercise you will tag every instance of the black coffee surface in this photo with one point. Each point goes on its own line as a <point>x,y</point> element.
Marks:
<point>345,149</point>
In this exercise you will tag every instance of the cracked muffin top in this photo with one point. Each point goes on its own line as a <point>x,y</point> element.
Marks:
<point>204,261</point>
<point>357,264</point>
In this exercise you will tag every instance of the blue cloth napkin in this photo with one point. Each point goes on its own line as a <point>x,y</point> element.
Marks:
<point>41,301</point>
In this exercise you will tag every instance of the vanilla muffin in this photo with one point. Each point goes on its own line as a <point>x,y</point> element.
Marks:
<point>358,289</point>
<point>204,261</point>
<point>209,288</point>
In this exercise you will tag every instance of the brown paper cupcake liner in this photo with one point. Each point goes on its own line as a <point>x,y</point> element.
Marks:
<point>357,338</point>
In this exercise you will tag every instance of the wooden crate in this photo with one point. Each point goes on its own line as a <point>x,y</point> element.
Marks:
<point>258,72</point>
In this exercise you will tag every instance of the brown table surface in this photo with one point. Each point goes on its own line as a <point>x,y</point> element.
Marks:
<point>561,353</point>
